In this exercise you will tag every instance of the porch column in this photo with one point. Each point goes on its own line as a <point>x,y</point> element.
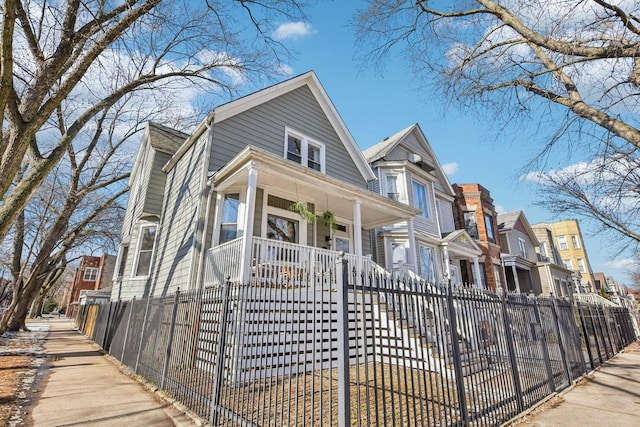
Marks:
<point>413,258</point>
<point>248,214</point>
<point>217,219</point>
<point>476,267</point>
<point>447,265</point>
<point>515,278</point>
<point>357,229</point>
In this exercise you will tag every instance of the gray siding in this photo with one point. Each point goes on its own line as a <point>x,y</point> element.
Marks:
<point>154,187</point>
<point>264,127</point>
<point>445,210</point>
<point>421,224</point>
<point>257,217</point>
<point>175,253</point>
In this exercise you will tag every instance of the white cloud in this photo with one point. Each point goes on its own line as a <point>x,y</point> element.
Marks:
<point>292,30</point>
<point>625,263</point>
<point>450,168</point>
<point>500,209</point>
<point>285,70</point>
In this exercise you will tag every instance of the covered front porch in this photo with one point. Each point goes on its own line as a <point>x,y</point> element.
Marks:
<point>276,222</point>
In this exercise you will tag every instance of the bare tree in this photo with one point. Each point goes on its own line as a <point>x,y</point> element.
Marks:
<point>79,205</point>
<point>99,52</point>
<point>572,66</point>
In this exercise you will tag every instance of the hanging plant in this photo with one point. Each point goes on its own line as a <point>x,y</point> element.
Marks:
<point>301,209</point>
<point>329,220</point>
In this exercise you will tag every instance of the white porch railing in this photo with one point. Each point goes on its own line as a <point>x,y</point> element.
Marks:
<point>594,299</point>
<point>275,263</point>
<point>223,262</point>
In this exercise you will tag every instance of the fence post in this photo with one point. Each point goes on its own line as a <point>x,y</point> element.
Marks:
<point>144,326</point>
<point>219,366</point>
<point>457,359</point>
<point>543,345</point>
<point>167,354</point>
<point>103,344</point>
<point>563,352</point>
<point>585,332</point>
<point>126,331</point>
<point>344,388</point>
<point>512,352</point>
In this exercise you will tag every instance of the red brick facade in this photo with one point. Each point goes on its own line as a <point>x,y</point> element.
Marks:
<point>477,199</point>
<point>92,274</point>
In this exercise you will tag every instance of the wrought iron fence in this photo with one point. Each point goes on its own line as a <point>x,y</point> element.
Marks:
<point>370,350</point>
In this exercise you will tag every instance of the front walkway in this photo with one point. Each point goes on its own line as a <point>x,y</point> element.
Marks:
<point>81,387</point>
<point>610,396</point>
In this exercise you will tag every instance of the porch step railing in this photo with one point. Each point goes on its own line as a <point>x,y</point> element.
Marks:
<point>222,262</point>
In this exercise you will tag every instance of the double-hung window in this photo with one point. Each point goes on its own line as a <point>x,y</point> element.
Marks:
<point>90,274</point>
<point>574,240</point>
<point>488,224</point>
<point>562,241</point>
<point>523,247</point>
<point>420,198</point>
<point>145,250</point>
<point>581,266</point>
<point>302,150</point>
<point>427,264</point>
<point>229,226</point>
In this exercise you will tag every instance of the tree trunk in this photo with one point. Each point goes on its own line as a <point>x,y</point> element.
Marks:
<point>25,298</point>
<point>36,307</point>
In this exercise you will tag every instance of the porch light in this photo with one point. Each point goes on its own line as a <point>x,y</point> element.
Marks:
<point>329,240</point>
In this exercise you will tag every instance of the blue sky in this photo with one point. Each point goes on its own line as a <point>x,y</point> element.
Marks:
<point>375,105</point>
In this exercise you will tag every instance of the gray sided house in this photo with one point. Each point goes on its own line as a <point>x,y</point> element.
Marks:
<point>144,208</point>
<point>267,190</point>
<point>518,242</point>
<point>428,244</point>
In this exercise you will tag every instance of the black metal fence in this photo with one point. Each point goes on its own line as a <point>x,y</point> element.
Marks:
<point>393,351</point>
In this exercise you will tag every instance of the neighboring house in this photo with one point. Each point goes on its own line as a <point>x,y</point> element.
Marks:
<point>599,282</point>
<point>428,244</point>
<point>267,190</point>
<point>519,257</point>
<point>553,277</point>
<point>475,212</point>
<point>570,244</point>
<point>619,293</point>
<point>93,274</point>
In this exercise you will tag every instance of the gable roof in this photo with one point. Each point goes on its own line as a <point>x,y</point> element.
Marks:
<point>246,102</point>
<point>380,150</point>
<point>165,139</point>
<point>507,221</point>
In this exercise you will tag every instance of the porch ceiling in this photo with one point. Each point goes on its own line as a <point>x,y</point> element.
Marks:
<point>295,182</point>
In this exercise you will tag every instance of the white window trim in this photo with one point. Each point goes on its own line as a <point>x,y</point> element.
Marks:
<point>426,213</point>
<point>522,244</point>
<point>400,183</point>
<point>137,254</point>
<point>563,240</point>
<point>86,270</point>
<point>119,262</point>
<point>570,264</point>
<point>575,243</point>
<point>284,214</point>
<point>582,266</point>
<point>304,149</point>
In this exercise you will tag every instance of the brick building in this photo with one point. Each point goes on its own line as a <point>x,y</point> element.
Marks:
<point>92,274</point>
<point>475,212</point>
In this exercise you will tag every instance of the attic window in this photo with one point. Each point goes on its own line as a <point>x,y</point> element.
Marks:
<point>300,149</point>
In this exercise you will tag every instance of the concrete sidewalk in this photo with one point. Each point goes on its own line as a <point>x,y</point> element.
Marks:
<point>610,396</point>
<point>81,387</point>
